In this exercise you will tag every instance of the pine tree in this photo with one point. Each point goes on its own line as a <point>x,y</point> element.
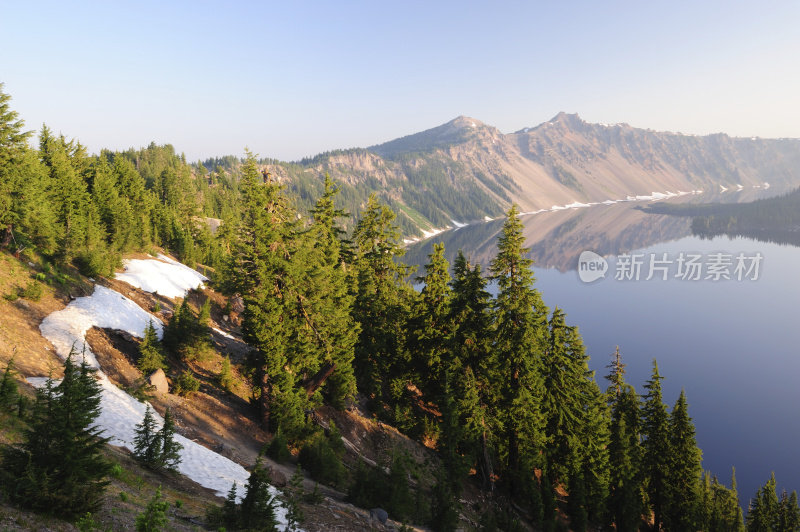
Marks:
<point>169,451</point>
<point>230,509</point>
<point>472,365</point>
<point>656,447</point>
<point>59,467</point>
<point>151,357</point>
<point>263,276</point>
<point>64,161</point>
<point>381,304</point>
<point>519,337</point>
<point>764,513</point>
<point>24,210</point>
<point>429,327</point>
<point>326,303</point>
<point>257,510</point>
<point>154,517</point>
<point>789,513</point>
<point>682,511</point>
<point>625,486</point>
<point>9,394</point>
<point>146,444</point>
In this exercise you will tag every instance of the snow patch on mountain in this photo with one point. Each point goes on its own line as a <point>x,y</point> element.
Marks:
<point>163,276</point>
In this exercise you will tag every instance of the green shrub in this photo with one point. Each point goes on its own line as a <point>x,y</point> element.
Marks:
<point>278,448</point>
<point>186,384</point>
<point>87,523</point>
<point>154,517</point>
<point>322,459</point>
<point>225,377</point>
<point>116,471</point>
<point>33,291</point>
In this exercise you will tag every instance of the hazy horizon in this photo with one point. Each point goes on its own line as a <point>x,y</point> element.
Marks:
<point>293,81</point>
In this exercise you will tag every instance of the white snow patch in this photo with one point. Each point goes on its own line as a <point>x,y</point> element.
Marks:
<point>487,219</point>
<point>723,189</point>
<point>119,412</point>
<point>431,233</point>
<point>458,225</point>
<point>104,308</point>
<point>766,185</point>
<point>223,333</point>
<point>577,205</point>
<point>162,276</point>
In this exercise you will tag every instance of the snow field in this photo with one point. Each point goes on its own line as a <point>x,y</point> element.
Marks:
<point>162,276</point>
<point>120,413</point>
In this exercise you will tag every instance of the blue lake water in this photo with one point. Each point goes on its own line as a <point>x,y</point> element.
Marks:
<point>733,346</point>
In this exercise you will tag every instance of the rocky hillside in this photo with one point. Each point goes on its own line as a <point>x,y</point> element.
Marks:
<point>465,170</point>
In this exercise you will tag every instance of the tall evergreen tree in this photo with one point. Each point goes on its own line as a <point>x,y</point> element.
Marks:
<point>327,303</point>
<point>169,449</point>
<point>381,304</point>
<point>684,470</point>
<point>625,505</point>
<point>520,340</point>
<point>472,367</point>
<point>146,445</point>
<point>151,357</point>
<point>789,520</point>
<point>764,512</point>
<point>429,327</point>
<point>59,468</point>
<point>25,213</point>
<point>263,273</point>
<point>9,394</point>
<point>656,447</point>
<point>721,506</point>
<point>257,511</point>
<point>64,162</point>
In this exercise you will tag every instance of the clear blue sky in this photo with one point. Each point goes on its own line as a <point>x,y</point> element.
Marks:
<point>290,79</point>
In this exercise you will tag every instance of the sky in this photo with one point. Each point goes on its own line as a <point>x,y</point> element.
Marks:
<point>293,79</point>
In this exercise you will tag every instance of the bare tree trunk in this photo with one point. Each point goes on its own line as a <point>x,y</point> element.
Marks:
<point>313,383</point>
<point>266,397</point>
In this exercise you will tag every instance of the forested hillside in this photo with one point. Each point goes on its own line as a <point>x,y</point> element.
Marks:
<point>498,386</point>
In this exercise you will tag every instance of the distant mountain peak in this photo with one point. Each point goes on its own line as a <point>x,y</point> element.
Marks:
<point>465,122</point>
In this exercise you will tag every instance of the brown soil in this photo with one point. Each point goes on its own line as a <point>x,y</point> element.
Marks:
<point>221,420</point>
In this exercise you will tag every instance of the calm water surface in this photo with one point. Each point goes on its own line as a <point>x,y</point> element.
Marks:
<point>731,345</point>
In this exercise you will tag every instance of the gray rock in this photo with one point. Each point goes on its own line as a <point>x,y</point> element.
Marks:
<point>379,514</point>
<point>237,304</point>
<point>158,380</point>
<point>277,478</point>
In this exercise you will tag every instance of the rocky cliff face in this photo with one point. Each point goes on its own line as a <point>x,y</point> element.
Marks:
<point>465,170</point>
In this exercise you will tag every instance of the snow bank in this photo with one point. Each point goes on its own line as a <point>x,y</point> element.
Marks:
<point>119,412</point>
<point>104,308</point>
<point>223,333</point>
<point>162,276</point>
<point>119,415</point>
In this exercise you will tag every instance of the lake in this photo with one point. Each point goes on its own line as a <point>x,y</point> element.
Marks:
<point>732,345</point>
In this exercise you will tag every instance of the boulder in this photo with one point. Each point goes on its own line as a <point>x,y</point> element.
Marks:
<point>277,478</point>
<point>158,380</point>
<point>379,514</point>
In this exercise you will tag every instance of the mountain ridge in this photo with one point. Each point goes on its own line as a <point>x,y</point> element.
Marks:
<point>466,170</point>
